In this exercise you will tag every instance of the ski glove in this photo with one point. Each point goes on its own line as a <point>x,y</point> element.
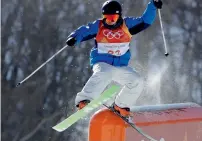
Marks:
<point>158,4</point>
<point>71,41</point>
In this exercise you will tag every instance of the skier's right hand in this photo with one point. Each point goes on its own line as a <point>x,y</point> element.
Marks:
<point>71,41</point>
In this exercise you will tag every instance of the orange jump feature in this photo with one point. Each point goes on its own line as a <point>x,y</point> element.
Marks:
<point>169,122</point>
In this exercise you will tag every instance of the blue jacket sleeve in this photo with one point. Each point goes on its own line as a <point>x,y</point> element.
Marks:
<point>85,32</point>
<point>136,25</point>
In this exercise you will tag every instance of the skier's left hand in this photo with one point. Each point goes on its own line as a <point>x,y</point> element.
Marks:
<point>158,3</point>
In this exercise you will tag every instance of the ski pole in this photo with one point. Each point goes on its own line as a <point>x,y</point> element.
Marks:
<point>164,39</point>
<point>41,66</point>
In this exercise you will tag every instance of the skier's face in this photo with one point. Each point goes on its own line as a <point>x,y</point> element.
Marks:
<point>111,19</point>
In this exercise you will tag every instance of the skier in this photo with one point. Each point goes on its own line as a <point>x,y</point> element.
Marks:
<point>111,54</point>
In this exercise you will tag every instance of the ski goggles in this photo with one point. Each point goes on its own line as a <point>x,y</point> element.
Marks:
<point>111,18</point>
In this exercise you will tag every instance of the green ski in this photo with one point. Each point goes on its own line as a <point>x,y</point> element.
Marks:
<point>105,96</point>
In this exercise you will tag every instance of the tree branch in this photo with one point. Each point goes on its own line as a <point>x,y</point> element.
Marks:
<point>29,135</point>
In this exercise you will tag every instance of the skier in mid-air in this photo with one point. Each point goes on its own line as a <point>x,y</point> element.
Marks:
<point>111,54</point>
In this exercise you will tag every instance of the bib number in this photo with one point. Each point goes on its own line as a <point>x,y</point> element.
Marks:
<point>116,53</point>
<point>116,49</point>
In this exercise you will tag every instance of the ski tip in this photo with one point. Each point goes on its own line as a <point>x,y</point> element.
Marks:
<point>59,130</point>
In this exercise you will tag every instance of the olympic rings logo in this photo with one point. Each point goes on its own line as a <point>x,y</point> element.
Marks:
<point>111,35</point>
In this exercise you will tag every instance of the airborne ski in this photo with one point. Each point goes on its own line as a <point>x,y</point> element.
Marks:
<point>105,96</point>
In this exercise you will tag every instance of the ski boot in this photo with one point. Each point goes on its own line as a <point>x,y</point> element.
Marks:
<point>82,104</point>
<point>124,112</point>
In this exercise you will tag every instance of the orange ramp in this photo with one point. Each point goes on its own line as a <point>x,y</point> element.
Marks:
<point>169,122</point>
